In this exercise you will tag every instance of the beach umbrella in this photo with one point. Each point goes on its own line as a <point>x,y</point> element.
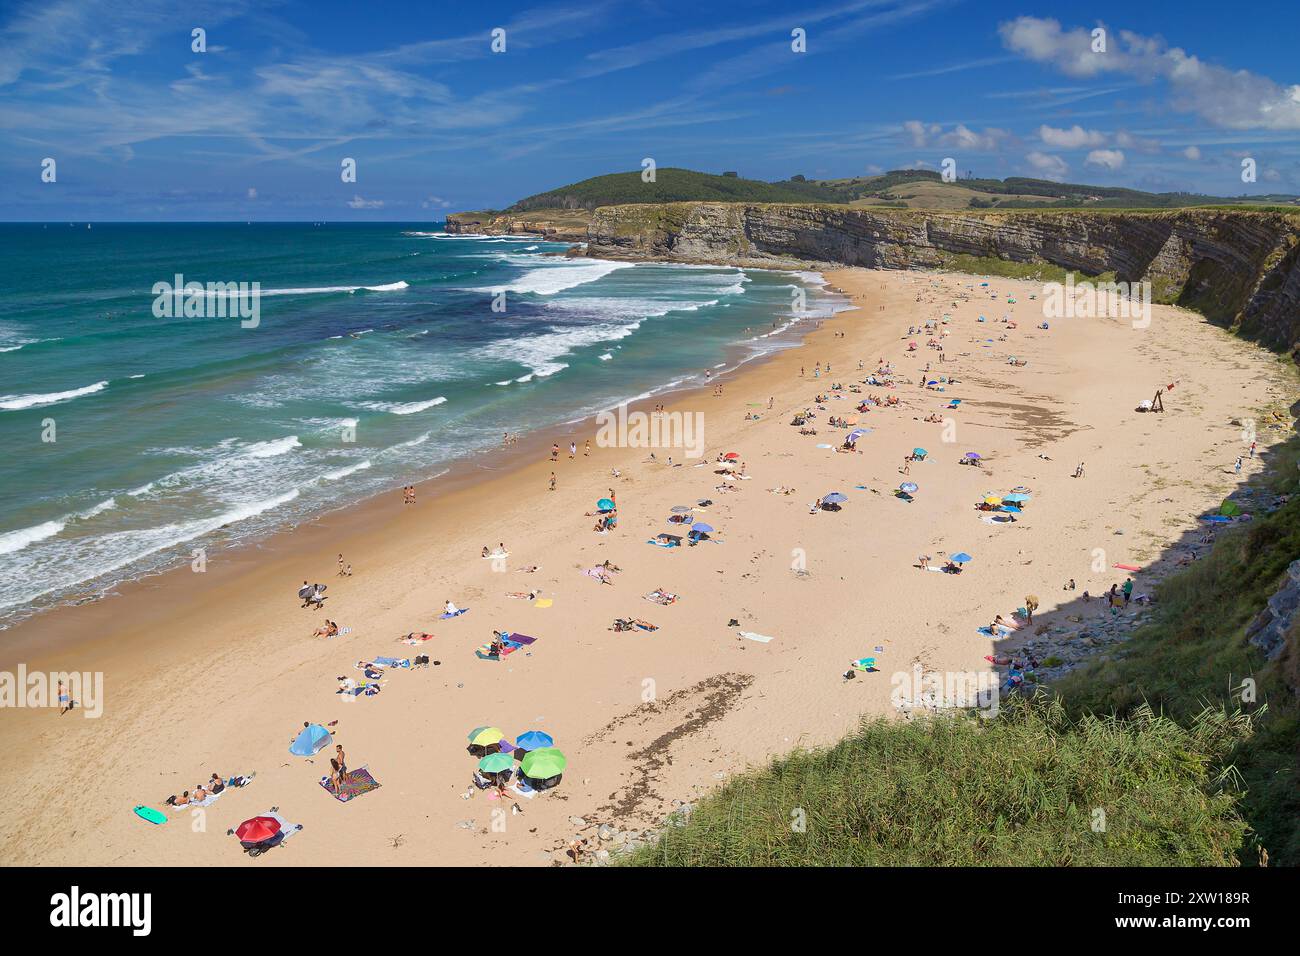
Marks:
<point>1013,509</point>
<point>1016,496</point>
<point>495,763</point>
<point>257,829</point>
<point>306,591</point>
<point>679,509</point>
<point>1229,509</point>
<point>857,433</point>
<point>604,504</point>
<point>908,486</point>
<point>534,740</point>
<point>972,455</point>
<point>543,764</point>
<point>961,557</point>
<point>701,528</point>
<point>834,498</point>
<point>486,736</point>
<point>992,500</point>
<point>731,456</point>
<point>919,452</point>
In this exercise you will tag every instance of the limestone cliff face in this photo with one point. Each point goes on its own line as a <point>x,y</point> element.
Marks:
<point>555,225</point>
<point>1240,269</point>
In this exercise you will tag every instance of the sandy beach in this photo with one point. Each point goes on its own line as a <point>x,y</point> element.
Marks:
<point>216,672</point>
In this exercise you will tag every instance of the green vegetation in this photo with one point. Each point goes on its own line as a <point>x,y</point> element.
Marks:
<point>992,266</point>
<point>913,188</point>
<point>671,185</point>
<point>1194,654</point>
<point>1027,788</point>
<point>1188,768</point>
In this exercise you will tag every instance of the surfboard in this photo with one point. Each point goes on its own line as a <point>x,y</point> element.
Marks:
<point>149,815</point>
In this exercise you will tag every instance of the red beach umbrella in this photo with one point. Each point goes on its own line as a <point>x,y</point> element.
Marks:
<point>731,456</point>
<point>258,829</point>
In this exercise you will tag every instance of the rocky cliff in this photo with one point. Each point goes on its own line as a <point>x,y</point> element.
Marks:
<point>1241,269</point>
<point>559,225</point>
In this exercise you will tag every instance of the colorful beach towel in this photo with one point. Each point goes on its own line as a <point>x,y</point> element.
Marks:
<point>355,783</point>
<point>456,613</point>
<point>544,602</point>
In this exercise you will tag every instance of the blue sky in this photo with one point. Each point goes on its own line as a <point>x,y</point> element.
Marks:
<point>256,128</point>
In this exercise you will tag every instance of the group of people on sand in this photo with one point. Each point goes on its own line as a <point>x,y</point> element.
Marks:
<point>201,793</point>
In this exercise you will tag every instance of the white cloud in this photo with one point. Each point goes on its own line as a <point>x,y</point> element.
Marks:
<point>356,202</point>
<point>1072,138</point>
<point>1193,153</point>
<point>923,135</point>
<point>1111,159</point>
<point>1231,99</point>
<point>1049,166</point>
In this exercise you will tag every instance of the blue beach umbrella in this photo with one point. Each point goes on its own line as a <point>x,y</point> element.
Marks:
<point>961,557</point>
<point>534,740</point>
<point>604,504</point>
<point>919,452</point>
<point>1010,508</point>
<point>834,498</point>
<point>1016,496</point>
<point>701,527</point>
<point>908,486</point>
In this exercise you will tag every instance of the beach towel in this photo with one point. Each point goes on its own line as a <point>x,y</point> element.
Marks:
<point>1003,631</point>
<point>657,544</point>
<point>1128,567</point>
<point>414,639</point>
<point>456,613</point>
<point>495,554</point>
<point>363,689</point>
<point>865,664</point>
<point>343,631</point>
<point>392,662</point>
<point>509,644</point>
<point>751,636</point>
<point>661,597</point>
<point>355,783</point>
<point>522,788</point>
<point>544,602</point>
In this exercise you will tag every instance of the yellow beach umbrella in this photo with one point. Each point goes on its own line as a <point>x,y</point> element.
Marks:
<point>486,736</point>
<point>992,500</point>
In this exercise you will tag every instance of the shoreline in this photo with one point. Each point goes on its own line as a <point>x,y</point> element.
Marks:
<point>214,679</point>
<point>458,475</point>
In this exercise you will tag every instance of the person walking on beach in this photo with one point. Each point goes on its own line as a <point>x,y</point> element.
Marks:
<point>1128,590</point>
<point>1252,449</point>
<point>340,565</point>
<point>552,481</point>
<point>1078,472</point>
<point>66,702</point>
<point>586,449</point>
<point>1237,469</point>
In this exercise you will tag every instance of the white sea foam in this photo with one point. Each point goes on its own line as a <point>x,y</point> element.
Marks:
<point>404,408</point>
<point>548,280</point>
<point>13,403</point>
<point>269,449</point>
<point>344,472</point>
<point>17,540</point>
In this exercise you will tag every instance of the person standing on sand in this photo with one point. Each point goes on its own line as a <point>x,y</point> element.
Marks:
<point>573,450</point>
<point>1128,590</point>
<point>65,699</point>
<point>586,449</point>
<point>555,452</point>
<point>552,481</point>
<point>340,565</point>
<point>1031,605</point>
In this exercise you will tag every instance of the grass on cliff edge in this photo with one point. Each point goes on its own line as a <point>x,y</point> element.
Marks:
<point>1033,787</point>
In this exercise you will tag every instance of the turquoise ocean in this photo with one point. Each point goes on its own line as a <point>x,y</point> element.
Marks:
<point>130,440</point>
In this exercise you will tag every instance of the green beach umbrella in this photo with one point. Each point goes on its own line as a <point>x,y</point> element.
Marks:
<point>543,764</point>
<point>1230,508</point>
<point>495,763</point>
